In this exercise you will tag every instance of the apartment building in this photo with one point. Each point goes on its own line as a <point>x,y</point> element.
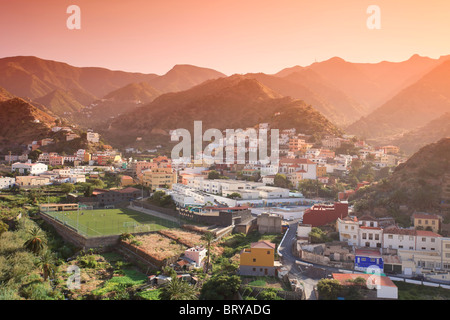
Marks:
<point>159,178</point>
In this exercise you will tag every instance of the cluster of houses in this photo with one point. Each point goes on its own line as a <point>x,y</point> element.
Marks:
<point>419,250</point>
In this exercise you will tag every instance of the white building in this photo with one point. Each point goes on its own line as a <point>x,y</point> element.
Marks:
<point>6,182</point>
<point>29,168</point>
<point>196,254</point>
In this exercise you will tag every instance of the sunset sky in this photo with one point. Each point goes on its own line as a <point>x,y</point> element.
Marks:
<point>231,36</point>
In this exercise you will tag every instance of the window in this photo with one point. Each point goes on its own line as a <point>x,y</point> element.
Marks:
<point>377,237</point>
<point>411,238</point>
<point>433,240</point>
<point>268,252</point>
<point>400,237</point>
<point>419,221</point>
<point>426,221</point>
<point>433,222</point>
<point>370,236</point>
<point>390,236</point>
<point>411,248</point>
<point>254,260</point>
<point>364,236</point>
<point>400,247</point>
<point>424,239</point>
<point>353,227</point>
<point>346,227</point>
<point>423,248</point>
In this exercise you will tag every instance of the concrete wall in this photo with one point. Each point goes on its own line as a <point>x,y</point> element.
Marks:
<point>70,235</point>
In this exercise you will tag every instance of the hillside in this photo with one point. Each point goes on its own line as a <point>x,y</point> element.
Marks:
<point>370,84</point>
<point>413,107</point>
<point>233,102</point>
<point>182,77</point>
<point>345,108</point>
<point>21,122</point>
<point>317,95</point>
<point>32,77</point>
<point>65,89</point>
<point>5,95</point>
<point>435,130</point>
<point>419,184</point>
<point>134,92</point>
<point>63,103</point>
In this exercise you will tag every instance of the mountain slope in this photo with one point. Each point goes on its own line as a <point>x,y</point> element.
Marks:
<point>420,184</point>
<point>21,122</point>
<point>33,77</point>
<point>433,131</point>
<point>63,103</point>
<point>413,107</point>
<point>5,95</point>
<point>226,103</point>
<point>183,77</point>
<point>299,90</point>
<point>142,91</point>
<point>346,108</point>
<point>370,84</point>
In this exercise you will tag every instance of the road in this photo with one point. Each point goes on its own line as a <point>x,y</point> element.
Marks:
<point>290,261</point>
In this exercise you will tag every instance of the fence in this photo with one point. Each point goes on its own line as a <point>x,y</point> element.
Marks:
<point>420,282</point>
<point>95,224</point>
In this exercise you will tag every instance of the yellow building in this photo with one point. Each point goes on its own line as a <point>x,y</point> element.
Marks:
<point>258,260</point>
<point>321,171</point>
<point>424,221</point>
<point>159,178</point>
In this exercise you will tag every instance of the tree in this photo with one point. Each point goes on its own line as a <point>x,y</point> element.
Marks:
<point>213,174</point>
<point>47,263</point>
<point>3,227</point>
<point>318,236</point>
<point>328,289</point>
<point>36,242</point>
<point>208,237</point>
<point>67,188</point>
<point>269,294</point>
<point>178,289</point>
<point>220,287</point>
<point>34,155</point>
<point>234,195</point>
<point>281,181</point>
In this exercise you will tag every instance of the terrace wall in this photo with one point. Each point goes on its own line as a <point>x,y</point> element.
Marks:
<point>70,235</point>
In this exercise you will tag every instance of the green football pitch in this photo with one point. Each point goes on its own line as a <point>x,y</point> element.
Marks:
<point>103,222</point>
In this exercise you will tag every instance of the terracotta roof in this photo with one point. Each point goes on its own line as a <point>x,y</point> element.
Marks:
<point>127,190</point>
<point>343,279</point>
<point>425,216</point>
<point>367,252</point>
<point>411,232</point>
<point>425,233</point>
<point>370,228</point>
<point>263,244</point>
<point>408,232</point>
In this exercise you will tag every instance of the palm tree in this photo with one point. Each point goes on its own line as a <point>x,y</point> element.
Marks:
<point>208,237</point>
<point>46,262</point>
<point>36,242</point>
<point>178,289</point>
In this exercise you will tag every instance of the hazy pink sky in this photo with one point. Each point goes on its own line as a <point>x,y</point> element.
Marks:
<point>231,36</point>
